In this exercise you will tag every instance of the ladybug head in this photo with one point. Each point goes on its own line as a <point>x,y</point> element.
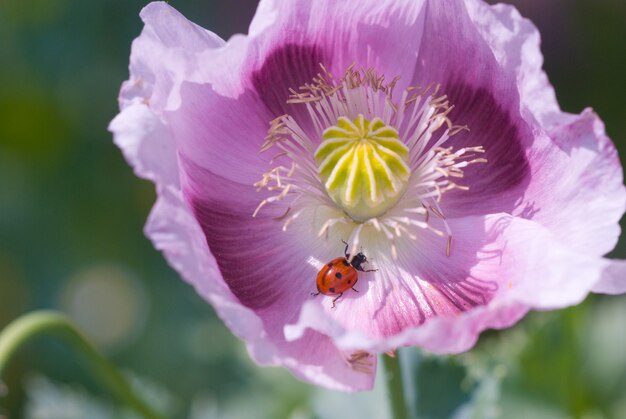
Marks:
<point>358,260</point>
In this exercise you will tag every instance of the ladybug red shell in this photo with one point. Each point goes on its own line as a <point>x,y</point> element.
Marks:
<point>336,277</point>
<point>340,274</point>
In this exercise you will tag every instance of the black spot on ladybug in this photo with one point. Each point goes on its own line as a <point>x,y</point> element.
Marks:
<point>346,263</point>
<point>331,290</point>
<point>330,265</point>
<point>338,275</point>
<point>349,281</point>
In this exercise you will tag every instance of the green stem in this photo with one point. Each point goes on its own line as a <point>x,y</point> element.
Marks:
<point>33,325</point>
<point>395,387</point>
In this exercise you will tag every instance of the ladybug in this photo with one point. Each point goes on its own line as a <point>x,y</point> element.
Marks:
<point>340,274</point>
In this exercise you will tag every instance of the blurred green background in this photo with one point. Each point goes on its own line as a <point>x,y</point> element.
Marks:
<point>72,212</point>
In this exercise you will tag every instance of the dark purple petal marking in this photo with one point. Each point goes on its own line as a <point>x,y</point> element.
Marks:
<point>429,284</point>
<point>257,272</point>
<point>486,99</point>
<point>287,67</point>
<point>496,186</point>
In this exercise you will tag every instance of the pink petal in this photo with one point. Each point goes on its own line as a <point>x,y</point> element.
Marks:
<point>515,43</point>
<point>146,143</point>
<point>439,335</point>
<point>164,55</point>
<point>545,272</point>
<point>577,189</point>
<point>527,264</point>
<point>167,41</point>
<point>222,134</point>
<point>579,154</point>
<point>614,279</point>
<point>422,284</point>
<point>266,270</point>
<point>314,358</point>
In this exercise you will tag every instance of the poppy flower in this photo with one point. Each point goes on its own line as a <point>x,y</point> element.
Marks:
<point>424,134</point>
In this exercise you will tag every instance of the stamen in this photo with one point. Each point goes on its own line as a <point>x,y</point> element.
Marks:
<point>383,164</point>
<point>361,361</point>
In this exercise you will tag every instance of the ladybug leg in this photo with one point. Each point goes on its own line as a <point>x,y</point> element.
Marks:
<point>313,294</point>
<point>354,289</point>
<point>335,299</point>
<point>367,270</point>
<point>345,251</point>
